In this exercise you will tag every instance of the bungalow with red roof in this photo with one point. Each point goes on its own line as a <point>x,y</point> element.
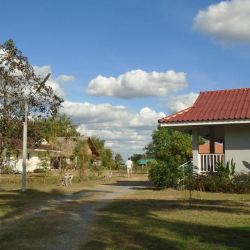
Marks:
<point>221,117</point>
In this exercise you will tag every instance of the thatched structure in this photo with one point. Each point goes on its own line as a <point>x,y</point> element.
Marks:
<point>66,147</point>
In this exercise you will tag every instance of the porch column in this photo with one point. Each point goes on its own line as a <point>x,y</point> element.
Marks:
<point>211,140</point>
<point>195,148</point>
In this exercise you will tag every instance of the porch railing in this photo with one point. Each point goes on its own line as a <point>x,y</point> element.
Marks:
<point>207,162</point>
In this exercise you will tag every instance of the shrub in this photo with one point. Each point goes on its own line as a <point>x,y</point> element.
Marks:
<point>225,171</point>
<point>214,183</point>
<point>6,170</point>
<point>241,183</point>
<point>39,171</point>
<point>164,174</point>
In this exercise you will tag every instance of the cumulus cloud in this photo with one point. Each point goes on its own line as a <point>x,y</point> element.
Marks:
<point>145,118</point>
<point>123,130</point>
<point>65,78</point>
<point>181,102</point>
<point>55,84</point>
<point>91,113</point>
<point>137,83</point>
<point>226,21</point>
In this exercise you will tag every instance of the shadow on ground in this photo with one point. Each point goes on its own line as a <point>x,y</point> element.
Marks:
<point>129,223</point>
<point>17,202</point>
<point>132,183</point>
<point>134,224</point>
<point>170,223</point>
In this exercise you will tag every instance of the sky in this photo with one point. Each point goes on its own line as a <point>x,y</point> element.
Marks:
<point>120,65</point>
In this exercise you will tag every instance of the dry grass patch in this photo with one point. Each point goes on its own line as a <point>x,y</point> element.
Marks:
<point>149,219</point>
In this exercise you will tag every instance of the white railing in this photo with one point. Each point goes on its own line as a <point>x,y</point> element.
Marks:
<point>207,162</point>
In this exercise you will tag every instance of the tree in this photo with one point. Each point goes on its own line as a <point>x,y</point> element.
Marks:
<point>170,149</point>
<point>107,158</point>
<point>118,161</point>
<point>136,157</point>
<point>19,85</point>
<point>44,163</point>
<point>169,144</point>
<point>99,143</point>
<point>106,154</point>
<point>82,158</point>
<point>59,125</point>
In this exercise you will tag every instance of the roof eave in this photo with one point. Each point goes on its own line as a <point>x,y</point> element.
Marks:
<point>203,123</point>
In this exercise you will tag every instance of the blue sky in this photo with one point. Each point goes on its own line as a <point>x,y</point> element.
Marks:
<point>84,39</point>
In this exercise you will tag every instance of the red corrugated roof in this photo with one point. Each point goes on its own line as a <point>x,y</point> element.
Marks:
<point>220,105</point>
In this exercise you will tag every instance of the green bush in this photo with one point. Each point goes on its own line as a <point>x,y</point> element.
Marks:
<point>225,170</point>
<point>219,181</point>
<point>213,183</point>
<point>6,170</point>
<point>164,174</point>
<point>241,183</point>
<point>167,174</point>
<point>39,171</point>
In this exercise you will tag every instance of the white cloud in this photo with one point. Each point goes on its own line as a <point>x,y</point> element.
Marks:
<point>65,78</point>
<point>123,131</point>
<point>181,102</point>
<point>137,83</point>
<point>91,113</point>
<point>43,71</point>
<point>146,117</point>
<point>226,21</point>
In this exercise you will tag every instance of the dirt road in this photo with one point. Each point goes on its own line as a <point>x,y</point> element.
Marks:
<point>64,223</point>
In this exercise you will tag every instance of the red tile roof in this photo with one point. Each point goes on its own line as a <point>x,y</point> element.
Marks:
<point>221,105</point>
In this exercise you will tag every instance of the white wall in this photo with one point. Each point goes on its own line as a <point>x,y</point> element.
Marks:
<point>32,164</point>
<point>237,146</point>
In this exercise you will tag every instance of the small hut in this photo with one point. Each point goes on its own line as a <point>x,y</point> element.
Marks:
<point>66,146</point>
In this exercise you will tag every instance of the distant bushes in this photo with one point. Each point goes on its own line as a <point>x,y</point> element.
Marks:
<point>6,170</point>
<point>167,174</point>
<point>39,171</point>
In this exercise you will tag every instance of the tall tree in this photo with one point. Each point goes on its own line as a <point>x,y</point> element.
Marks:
<point>49,128</point>
<point>169,144</point>
<point>118,160</point>
<point>136,157</point>
<point>82,158</point>
<point>106,154</point>
<point>19,85</point>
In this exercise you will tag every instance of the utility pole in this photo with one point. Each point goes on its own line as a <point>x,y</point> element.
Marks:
<point>25,124</point>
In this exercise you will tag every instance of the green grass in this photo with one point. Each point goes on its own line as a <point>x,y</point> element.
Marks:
<point>13,202</point>
<point>143,219</point>
<point>31,219</point>
<point>164,220</point>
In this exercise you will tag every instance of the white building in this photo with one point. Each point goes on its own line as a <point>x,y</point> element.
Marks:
<point>219,116</point>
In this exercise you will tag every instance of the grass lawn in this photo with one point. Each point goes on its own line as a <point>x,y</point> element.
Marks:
<point>14,203</point>
<point>149,219</point>
<point>33,219</point>
<point>140,218</point>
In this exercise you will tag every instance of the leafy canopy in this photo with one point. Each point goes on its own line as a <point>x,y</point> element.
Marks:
<point>168,144</point>
<point>19,85</point>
